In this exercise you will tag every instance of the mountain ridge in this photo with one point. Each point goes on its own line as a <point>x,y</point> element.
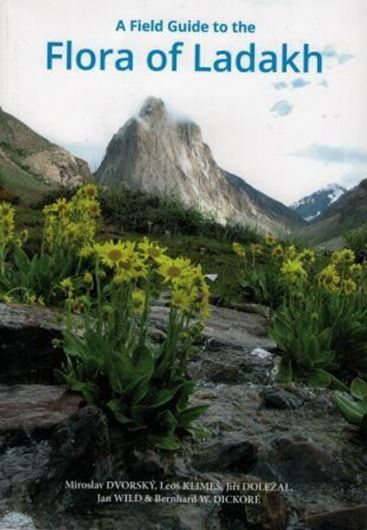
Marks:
<point>312,206</point>
<point>30,164</point>
<point>348,212</point>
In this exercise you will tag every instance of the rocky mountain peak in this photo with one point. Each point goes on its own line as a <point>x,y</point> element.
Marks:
<point>314,205</point>
<point>157,152</point>
<point>153,109</point>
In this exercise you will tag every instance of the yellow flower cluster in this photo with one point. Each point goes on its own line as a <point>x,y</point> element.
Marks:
<point>74,223</point>
<point>343,257</point>
<point>124,258</point>
<point>239,250</point>
<point>294,271</point>
<point>7,225</point>
<point>342,275</point>
<point>134,262</point>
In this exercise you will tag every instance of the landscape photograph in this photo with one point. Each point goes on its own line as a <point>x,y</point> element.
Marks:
<point>183,279</point>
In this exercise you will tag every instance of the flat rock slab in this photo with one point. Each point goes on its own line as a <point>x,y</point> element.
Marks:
<point>227,327</point>
<point>17,316</point>
<point>34,407</point>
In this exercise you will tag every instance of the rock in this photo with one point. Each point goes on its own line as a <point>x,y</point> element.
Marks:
<point>16,521</point>
<point>227,455</point>
<point>261,353</point>
<point>157,335</point>
<point>279,398</point>
<point>26,334</point>
<point>80,450</point>
<point>146,464</point>
<point>354,518</point>
<point>32,407</point>
<point>285,433</point>
<point>271,514</point>
<point>23,462</point>
<point>268,514</point>
<point>297,460</point>
<point>23,317</point>
<point>57,166</point>
<point>258,309</point>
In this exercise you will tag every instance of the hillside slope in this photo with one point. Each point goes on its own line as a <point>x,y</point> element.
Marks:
<point>349,212</point>
<point>30,164</point>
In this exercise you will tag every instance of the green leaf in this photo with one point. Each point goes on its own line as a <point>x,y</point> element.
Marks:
<point>162,397</point>
<point>319,378</point>
<point>358,388</point>
<point>350,409</point>
<point>116,408</point>
<point>168,443</point>
<point>140,391</point>
<point>189,415</point>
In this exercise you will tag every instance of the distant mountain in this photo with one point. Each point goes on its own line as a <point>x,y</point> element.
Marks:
<point>275,210</point>
<point>155,153</point>
<point>348,212</point>
<point>313,206</point>
<point>30,164</point>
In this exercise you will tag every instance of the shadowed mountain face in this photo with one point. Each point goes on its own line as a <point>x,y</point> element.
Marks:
<point>157,154</point>
<point>349,212</point>
<point>30,164</point>
<point>313,206</point>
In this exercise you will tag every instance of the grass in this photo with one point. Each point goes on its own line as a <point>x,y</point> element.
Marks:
<point>29,188</point>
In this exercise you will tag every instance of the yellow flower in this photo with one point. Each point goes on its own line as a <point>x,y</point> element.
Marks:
<point>111,253</point>
<point>88,278</point>
<point>151,250</point>
<point>270,239</point>
<point>277,252</point>
<point>181,299</point>
<point>86,251</point>
<point>291,252</point>
<point>356,268</point>
<point>239,250</point>
<point>174,270</point>
<point>345,256</point>
<point>67,286</point>
<point>255,249</point>
<point>307,256</point>
<point>7,225</point>
<point>138,298</point>
<point>294,270</point>
<point>349,286</point>
<point>129,268</point>
<point>61,206</point>
<point>89,190</point>
<point>24,235</point>
<point>123,258</point>
<point>329,278</point>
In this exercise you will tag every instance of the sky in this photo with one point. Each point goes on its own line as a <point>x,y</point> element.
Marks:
<point>287,134</point>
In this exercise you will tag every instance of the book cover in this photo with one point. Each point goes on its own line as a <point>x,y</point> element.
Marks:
<point>183,264</point>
